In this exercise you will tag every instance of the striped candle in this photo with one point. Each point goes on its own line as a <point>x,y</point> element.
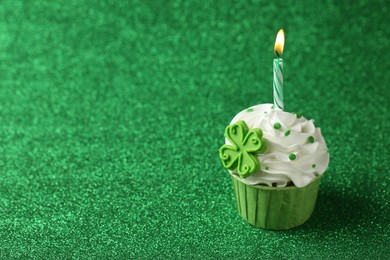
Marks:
<point>278,71</point>
<point>278,84</point>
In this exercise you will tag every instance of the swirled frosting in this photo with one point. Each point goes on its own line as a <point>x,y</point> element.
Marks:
<point>296,150</point>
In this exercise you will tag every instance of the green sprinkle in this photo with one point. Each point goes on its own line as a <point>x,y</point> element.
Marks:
<point>267,168</point>
<point>292,157</point>
<point>310,139</point>
<point>287,133</point>
<point>314,166</point>
<point>298,114</point>
<point>277,125</point>
<point>249,110</point>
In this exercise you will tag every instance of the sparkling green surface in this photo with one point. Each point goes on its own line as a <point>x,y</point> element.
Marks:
<point>112,114</point>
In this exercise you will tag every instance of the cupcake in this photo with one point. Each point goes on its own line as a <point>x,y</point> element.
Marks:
<point>276,160</point>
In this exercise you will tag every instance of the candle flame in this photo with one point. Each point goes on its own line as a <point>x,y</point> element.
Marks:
<point>279,43</point>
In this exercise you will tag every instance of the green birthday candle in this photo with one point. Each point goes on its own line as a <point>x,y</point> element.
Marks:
<point>278,71</point>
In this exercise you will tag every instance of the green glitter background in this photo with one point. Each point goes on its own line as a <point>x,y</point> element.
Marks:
<point>112,114</point>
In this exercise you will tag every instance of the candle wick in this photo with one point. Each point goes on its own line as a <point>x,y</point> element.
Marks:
<point>277,54</point>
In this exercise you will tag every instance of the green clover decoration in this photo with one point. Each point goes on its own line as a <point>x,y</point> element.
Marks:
<point>245,144</point>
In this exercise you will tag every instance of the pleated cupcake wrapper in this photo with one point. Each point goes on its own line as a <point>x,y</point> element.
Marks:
<point>275,208</point>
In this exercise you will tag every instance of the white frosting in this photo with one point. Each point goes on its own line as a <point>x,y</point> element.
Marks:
<point>312,159</point>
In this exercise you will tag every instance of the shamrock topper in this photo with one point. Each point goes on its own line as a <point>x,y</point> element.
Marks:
<point>241,153</point>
